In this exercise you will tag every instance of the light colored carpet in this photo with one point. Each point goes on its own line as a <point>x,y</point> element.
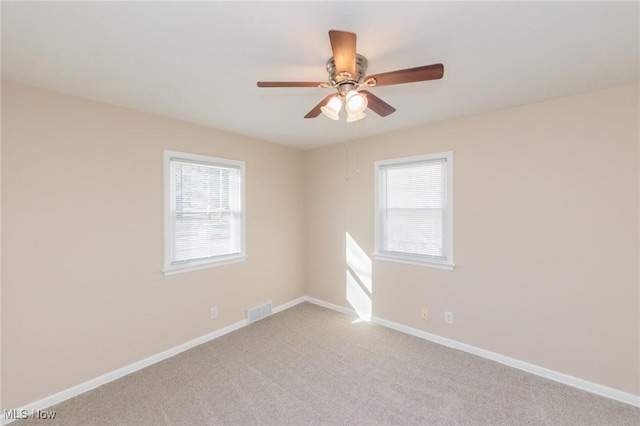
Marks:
<point>310,365</point>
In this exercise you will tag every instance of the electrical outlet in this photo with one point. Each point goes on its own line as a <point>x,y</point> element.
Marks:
<point>448,317</point>
<point>214,312</point>
<point>425,314</point>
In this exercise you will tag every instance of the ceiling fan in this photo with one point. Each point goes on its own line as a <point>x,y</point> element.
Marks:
<point>346,70</point>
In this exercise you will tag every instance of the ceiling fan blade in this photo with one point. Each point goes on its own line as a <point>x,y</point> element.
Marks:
<point>410,75</point>
<point>291,84</point>
<point>343,45</point>
<point>316,109</point>
<point>377,105</point>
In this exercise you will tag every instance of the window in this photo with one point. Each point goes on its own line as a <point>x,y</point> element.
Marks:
<point>203,213</point>
<point>414,220</point>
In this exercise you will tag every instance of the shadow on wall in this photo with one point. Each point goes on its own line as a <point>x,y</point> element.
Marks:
<point>359,281</point>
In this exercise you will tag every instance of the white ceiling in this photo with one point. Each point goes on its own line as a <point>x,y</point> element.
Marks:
<point>200,61</point>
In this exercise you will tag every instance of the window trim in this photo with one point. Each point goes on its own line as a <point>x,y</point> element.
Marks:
<point>379,254</point>
<point>170,269</point>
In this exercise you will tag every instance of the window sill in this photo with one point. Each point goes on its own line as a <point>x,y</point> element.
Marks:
<point>397,259</point>
<point>173,270</point>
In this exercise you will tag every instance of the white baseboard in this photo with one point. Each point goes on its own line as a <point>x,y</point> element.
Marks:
<point>575,382</point>
<point>116,374</point>
<point>521,365</point>
<point>331,306</point>
<point>288,305</point>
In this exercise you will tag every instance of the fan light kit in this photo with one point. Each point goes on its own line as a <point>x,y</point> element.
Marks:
<point>355,104</point>
<point>346,70</point>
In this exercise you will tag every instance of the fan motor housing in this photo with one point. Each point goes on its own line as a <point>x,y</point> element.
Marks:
<point>337,79</point>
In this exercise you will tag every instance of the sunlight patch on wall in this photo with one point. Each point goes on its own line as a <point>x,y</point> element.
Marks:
<point>358,298</point>
<point>359,263</point>
<point>359,279</point>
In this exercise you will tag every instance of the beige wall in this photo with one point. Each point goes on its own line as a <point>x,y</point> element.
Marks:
<point>546,236</point>
<point>546,233</point>
<point>83,292</point>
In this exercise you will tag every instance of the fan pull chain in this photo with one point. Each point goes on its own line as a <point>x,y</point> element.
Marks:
<point>357,140</point>
<point>349,142</point>
<point>346,164</point>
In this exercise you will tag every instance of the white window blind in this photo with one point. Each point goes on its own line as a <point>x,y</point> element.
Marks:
<point>414,217</point>
<point>204,216</point>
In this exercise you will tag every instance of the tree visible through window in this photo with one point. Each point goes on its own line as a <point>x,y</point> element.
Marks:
<point>204,217</point>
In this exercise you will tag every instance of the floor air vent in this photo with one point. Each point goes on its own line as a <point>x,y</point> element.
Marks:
<point>254,314</point>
